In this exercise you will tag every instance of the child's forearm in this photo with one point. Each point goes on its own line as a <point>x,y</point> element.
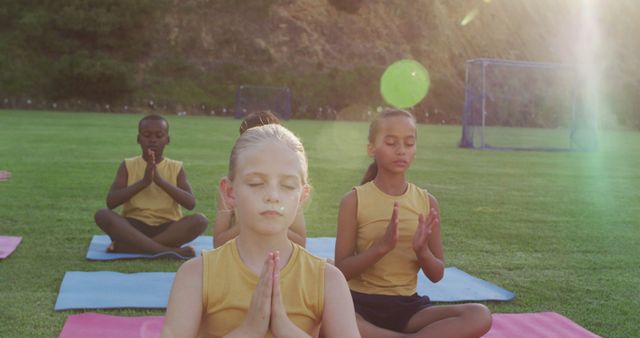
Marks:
<point>353,266</point>
<point>431,266</point>
<point>224,236</point>
<point>184,198</point>
<point>118,196</point>
<point>296,238</point>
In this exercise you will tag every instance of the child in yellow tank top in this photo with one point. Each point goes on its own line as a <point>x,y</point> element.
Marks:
<point>261,284</point>
<point>224,228</point>
<point>388,230</point>
<point>152,189</point>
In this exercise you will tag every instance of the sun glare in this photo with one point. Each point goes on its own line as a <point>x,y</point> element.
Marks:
<point>588,63</point>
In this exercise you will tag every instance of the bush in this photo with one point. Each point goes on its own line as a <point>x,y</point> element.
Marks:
<point>97,78</point>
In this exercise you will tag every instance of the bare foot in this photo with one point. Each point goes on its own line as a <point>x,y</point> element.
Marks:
<point>114,247</point>
<point>185,251</point>
<point>122,248</point>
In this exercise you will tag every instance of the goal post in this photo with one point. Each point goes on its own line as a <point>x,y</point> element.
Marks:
<point>520,105</point>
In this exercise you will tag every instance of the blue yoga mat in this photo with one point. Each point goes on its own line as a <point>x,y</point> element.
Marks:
<point>99,243</point>
<point>455,286</point>
<point>459,286</point>
<point>95,290</point>
<point>319,246</point>
<point>108,290</point>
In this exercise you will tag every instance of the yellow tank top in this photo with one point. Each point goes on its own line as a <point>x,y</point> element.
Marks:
<point>396,272</point>
<point>152,205</point>
<point>228,286</point>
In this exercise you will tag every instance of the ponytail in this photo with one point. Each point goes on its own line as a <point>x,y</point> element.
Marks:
<point>371,173</point>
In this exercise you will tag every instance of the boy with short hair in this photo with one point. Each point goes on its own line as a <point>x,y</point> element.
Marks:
<point>151,189</point>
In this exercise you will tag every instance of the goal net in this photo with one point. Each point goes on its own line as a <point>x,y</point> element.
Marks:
<point>517,105</point>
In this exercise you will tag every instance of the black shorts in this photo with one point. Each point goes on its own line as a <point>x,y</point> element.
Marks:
<point>148,230</point>
<point>389,312</point>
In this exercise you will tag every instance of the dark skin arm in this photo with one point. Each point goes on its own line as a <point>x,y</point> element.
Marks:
<point>181,193</point>
<point>427,242</point>
<point>347,261</point>
<point>120,192</point>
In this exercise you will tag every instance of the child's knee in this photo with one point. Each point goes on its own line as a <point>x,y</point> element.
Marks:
<point>200,222</point>
<point>102,215</point>
<point>481,316</point>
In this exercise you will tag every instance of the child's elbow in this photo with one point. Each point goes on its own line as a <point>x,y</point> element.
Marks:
<point>111,204</point>
<point>436,276</point>
<point>190,205</point>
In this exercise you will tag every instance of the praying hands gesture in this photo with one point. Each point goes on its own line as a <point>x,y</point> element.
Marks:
<point>266,311</point>
<point>421,237</point>
<point>390,238</point>
<point>427,243</point>
<point>150,174</point>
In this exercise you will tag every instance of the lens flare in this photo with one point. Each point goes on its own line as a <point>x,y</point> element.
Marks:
<point>404,83</point>
<point>469,17</point>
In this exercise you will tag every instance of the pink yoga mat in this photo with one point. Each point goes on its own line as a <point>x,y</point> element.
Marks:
<point>95,325</point>
<point>8,244</point>
<point>535,325</point>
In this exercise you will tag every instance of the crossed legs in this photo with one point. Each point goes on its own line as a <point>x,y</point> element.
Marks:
<point>460,320</point>
<point>127,238</point>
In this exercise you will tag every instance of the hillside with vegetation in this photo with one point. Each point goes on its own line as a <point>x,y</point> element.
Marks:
<point>192,54</point>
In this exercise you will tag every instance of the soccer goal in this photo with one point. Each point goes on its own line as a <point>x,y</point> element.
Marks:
<point>263,98</point>
<point>518,105</point>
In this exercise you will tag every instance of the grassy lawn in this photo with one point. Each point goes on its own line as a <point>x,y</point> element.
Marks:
<point>561,230</point>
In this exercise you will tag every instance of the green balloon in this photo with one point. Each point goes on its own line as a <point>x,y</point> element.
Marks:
<point>404,83</point>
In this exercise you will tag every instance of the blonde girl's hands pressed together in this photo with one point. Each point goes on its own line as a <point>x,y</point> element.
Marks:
<point>256,323</point>
<point>280,324</point>
<point>267,311</point>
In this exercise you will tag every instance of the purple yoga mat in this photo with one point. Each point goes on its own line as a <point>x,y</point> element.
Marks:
<point>95,325</point>
<point>8,244</point>
<point>535,325</point>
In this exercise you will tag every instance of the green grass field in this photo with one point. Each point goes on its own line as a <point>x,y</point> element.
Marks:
<point>561,230</point>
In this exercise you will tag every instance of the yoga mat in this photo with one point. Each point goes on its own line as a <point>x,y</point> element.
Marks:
<point>455,286</point>
<point>94,325</point>
<point>99,243</point>
<point>93,290</point>
<point>8,244</point>
<point>108,289</point>
<point>459,286</point>
<point>535,325</point>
